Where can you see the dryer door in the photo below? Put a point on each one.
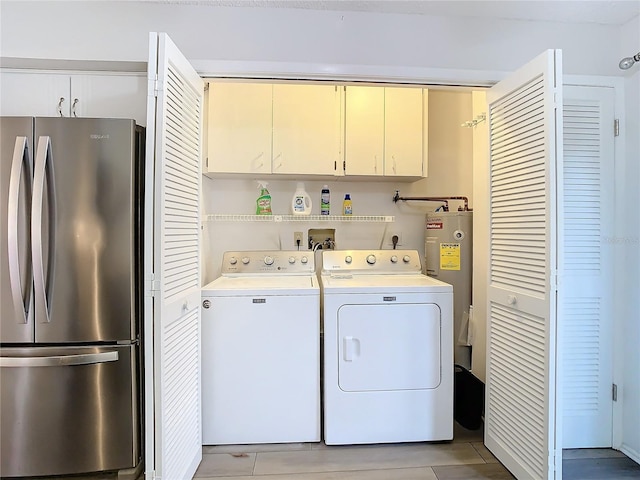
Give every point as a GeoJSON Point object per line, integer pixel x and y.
{"type": "Point", "coordinates": [388, 347]}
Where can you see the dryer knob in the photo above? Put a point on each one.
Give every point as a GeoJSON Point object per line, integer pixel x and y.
{"type": "Point", "coordinates": [348, 259]}
{"type": "Point", "coordinates": [394, 258]}
{"type": "Point", "coordinates": [206, 304]}
{"type": "Point", "coordinates": [268, 260]}
{"type": "Point", "coordinates": [245, 260]}
{"type": "Point", "coordinates": [304, 260]}
{"type": "Point", "coordinates": [371, 259]}
{"type": "Point", "coordinates": [406, 259]}
{"type": "Point", "coordinates": [233, 260]}
{"type": "Point", "coordinates": [292, 260]}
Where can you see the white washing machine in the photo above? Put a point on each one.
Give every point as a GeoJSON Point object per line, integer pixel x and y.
{"type": "Point", "coordinates": [261, 350]}
{"type": "Point", "coordinates": [388, 349]}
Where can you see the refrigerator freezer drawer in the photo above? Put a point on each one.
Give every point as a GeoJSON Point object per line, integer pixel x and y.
{"type": "Point", "coordinates": [68, 410]}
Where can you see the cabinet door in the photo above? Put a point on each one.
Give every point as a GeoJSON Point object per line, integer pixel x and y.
{"type": "Point", "coordinates": [34, 94]}
{"type": "Point", "coordinates": [110, 96]}
{"type": "Point", "coordinates": [306, 129]}
{"type": "Point", "coordinates": [239, 127]}
{"type": "Point", "coordinates": [364, 130]}
{"type": "Point", "coordinates": [403, 132]}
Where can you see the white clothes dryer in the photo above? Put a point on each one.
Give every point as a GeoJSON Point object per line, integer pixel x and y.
{"type": "Point", "coordinates": [388, 349]}
{"type": "Point", "coordinates": [261, 350]}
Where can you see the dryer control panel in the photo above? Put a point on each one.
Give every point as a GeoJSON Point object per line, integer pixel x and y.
{"type": "Point", "coordinates": [371, 261]}
{"type": "Point", "coordinates": [272, 262]}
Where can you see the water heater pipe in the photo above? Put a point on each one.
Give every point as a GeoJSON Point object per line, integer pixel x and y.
{"type": "Point", "coordinates": [445, 200]}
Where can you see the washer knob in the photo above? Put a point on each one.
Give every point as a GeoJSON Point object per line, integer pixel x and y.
{"type": "Point", "coordinates": [406, 259]}
{"type": "Point", "coordinates": [348, 259]}
{"type": "Point", "coordinates": [394, 258]}
{"type": "Point", "coordinates": [245, 260]}
{"type": "Point", "coordinates": [304, 260]}
{"type": "Point", "coordinates": [268, 260]}
{"type": "Point", "coordinates": [233, 260]}
{"type": "Point", "coordinates": [371, 259]}
{"type": "Point", "coordinates": [292, 260]}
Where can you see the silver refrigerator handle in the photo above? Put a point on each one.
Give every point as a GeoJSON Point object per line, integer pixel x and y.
{"type": "Point", "coordinates": [20, 156]}
{"type": "Point", "coordinates": [59, 360]}
{"type": "Point", "coordinates": [43, 171]}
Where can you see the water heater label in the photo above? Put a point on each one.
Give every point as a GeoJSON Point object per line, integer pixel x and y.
{"type": "Point", "coordinates": [434, 225]}
{"type": "Point", "coordinates": [449, 256]}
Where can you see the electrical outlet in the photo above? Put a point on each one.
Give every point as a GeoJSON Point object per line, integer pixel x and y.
{"type": "Point", "coordinates": [297, 239]}
{"type": "Point", "coordinates": [390, 236]}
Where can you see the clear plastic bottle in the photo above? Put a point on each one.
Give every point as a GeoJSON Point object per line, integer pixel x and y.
{"type": "Point", "coordinates": [347, 207]}
{"type": "Point", "coordinates": [325, 201]}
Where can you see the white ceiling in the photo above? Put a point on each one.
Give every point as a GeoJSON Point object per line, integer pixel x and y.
{"type": "Point", "coordinates": [608, 12]}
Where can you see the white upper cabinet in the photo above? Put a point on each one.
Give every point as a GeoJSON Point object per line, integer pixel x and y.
{"type": "Point", "coordinates": [306, 129]}
{"type": "Point", "coordinates": [385, 131]}
{"type": "Point", "coordinates": [239, 127]}
{"type": "Point", "coordinates": [364, 131]}
{"type": "Point", "coordinates": [404, 132]}
{"type": "Point", "coordinates": [108, 95]}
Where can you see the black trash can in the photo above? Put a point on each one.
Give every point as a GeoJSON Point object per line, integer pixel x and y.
{"type": "Point", "coordinates": [468, 394]}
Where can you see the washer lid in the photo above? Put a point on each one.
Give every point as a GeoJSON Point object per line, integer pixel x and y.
{"type": "Point", "coordinates": [347, 283]}
{"type": "Point", "coordinates": [263, 285]}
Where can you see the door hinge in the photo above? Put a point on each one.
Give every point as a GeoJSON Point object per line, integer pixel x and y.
{"type": "Point", "coordinates": [152, 286]}
{"type": "Point", "coordinates": [616, 128]}
{"type": "Point", "coordinates": [614, 392]}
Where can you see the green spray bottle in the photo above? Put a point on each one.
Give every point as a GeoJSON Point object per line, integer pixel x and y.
{"type": "Point", "coordinates": [263, 203]}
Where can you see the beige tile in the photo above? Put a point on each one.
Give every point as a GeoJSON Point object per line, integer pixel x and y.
{"type": "Point", "coordinates": [575, 453]}
{"type": "Point", "coordinates": [261, 447]}
{"type": "Point", "coordinates": [484, 452]}
{"type": "Point", "coordinates": [423, 473]}
{"type": "Point", "coordinates": [221, 464]}
{"type": "Point", "coordinates": [365, 458]}
{"type": "Point", "coordinates": [488, 471]}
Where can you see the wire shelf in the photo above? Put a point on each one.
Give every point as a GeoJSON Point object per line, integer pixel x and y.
{"type": "Point", "coordinates": [299, 218]}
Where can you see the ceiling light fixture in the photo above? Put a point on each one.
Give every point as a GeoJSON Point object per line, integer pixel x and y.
{"type": "Point", "coordinates": [627, 63]}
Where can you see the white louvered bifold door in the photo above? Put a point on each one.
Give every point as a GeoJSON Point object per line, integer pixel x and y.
{"type": "Point", "coordinates": [587, 281]}
{"type": "Point", "coordinates": [525, 125]}
{"type": "Point", "coordinates": [174, 151]}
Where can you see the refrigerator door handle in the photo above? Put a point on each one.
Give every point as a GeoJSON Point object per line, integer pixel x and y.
{"type": "Point", "coordinates": [20, 159]}
{"type": "Point", "coordinates": [43, 172]}
{"type": "Point", "coordinates": [59, 360]}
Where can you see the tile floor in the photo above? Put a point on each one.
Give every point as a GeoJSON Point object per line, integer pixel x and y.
{"type": "Point", "coordinates": [466, 458]}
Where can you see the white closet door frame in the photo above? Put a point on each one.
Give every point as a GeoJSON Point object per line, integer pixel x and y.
{"type": "Point", "coordinates": [522, 427]}
{"type": "Point", "coordinates": [173, 429]}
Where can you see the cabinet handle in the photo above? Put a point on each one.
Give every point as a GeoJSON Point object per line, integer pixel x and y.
{"type": "Point", "coordinates": [73, 107]}
{"type": "Point", "coordinates": [393, 157]}
{"type": "Point", "coordinates": [60, 106]}
{"type": "Point", "coordinates": [375, 164]}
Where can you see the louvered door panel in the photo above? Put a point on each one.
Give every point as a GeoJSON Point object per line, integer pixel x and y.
{"type": "Point", "coordinates": [520, 398]}
{"type": "Point", "coordinates": [586, 306]}
{"type": "Point", "coordinates": [177, 155]}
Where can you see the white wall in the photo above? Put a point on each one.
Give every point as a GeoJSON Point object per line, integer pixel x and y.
{"type": "Point", "coordinates": [119, 31]}
{"type": "Point", "coordinates": [628, 251]}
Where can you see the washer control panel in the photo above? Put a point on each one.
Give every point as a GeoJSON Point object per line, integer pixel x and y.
{"type": "Point", "coordinates": [371, 261]}
{"type": "Point", "coordinates": [273, 262]}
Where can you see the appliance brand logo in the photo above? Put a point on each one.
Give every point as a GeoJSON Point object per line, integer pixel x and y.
{"type": "Point", "coordinates": [259, 300]}
{"type": "Point", "coordinates": [99, 136]}
{"type": "Point", "coordinates": [434, 225]}
{"type": "Point", "coordinates": [388, 299]}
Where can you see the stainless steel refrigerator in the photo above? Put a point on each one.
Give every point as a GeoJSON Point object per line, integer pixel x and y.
{"type": "Point", "coordinates": [71, 286]}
